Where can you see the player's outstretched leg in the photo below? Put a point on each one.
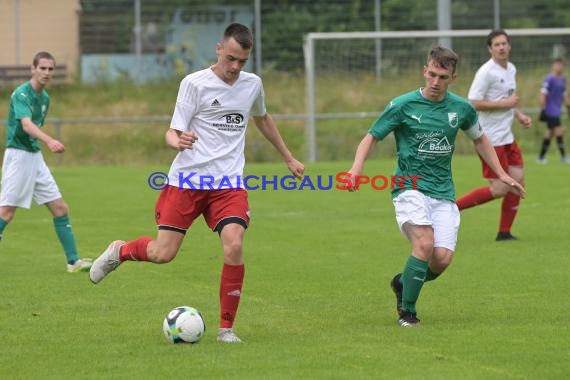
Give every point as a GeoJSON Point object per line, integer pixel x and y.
{"type": "Point", "coordinates": [107, 262]}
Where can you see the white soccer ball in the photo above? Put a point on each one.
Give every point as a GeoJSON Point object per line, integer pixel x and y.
{"type": "Point", "coordinates": [184, 324]}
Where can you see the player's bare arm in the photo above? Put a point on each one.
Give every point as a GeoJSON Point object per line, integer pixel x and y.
{"type": "Point", "coordinates": [484, 147]}
{"type": "Point", "coordinates": [33, 130]}
{"type": "Point", "coordinates": [179, 140]}
{"type": "Point", "coordinates": [269, 130]}
{"type": "Point", "coordinates": [523, 118]}
{"type": "Point", "coordinates": [362, 152]}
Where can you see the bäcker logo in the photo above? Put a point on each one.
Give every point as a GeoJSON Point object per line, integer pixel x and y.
{"type": "Point", "coordinates": [344, 181]}
{"type": "Point", "coordinates": [434, 145]}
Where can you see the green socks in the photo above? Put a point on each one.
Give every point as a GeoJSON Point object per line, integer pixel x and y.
{"type": "Point", "coordinates": [66, 238]}
{"type": "Point", "coordinates": [64, 233]}
{"type": "Point", "coordinates": [413, 279]}
{"type": "Point", "coordinates": [430, 276]}
{"type": "Point", "coordinates": [3, 225]}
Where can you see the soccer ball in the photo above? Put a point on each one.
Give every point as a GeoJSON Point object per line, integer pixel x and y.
{"type": "Point", "coordinates": [184, 324]}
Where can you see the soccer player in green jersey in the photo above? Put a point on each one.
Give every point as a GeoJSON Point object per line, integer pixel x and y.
{"type": "Point", "coordinates": [25, 175]}
{"type": "Point", "coordinates": [425, 123]}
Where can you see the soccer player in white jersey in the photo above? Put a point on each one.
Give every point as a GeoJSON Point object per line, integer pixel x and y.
{"type": "Point", "coordinates": [208, 131]}
{"type": "Point", "coordinates": [425, 123]}
{"type": "Point", "coordinates": [25, 175]}
{"type": "Point", "coordinates": [493, 94]}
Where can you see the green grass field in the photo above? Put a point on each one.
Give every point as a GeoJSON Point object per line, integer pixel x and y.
{"type": "Point", "coordinates": [316, 302]}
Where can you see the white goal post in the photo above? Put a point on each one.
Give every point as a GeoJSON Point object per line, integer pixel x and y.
{"type": "Point", "coordinates": [374, 48]}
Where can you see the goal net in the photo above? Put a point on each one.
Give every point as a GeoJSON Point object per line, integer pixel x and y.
{"type": "Point", "coordinates": [351, 76]}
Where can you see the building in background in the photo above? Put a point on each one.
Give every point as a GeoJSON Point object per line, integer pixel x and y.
{"type": "Point", "coordinates": [29, 26]}
{"type": "Point", "coordinates": [173, 41]}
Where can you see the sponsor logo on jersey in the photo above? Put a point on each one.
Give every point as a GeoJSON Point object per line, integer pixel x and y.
{"type": "Point", "coordinates": [428, 135]}
{"type": "Point", "coordinates": [231, 122]}
{"type": "Point", "coordinates": [434, 146]}
{"type": "Point", "coordinates": [233, 118]}
{"type": "Point", "coordinates": [215, 103]}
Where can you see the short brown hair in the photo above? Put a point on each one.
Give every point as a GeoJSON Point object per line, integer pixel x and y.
{"type": "Point", "coordinates": [240, 33]}
{"type": "Point", "coordinates": [42, 55]}
{"type": "Point", "coordinates": [496, 33]}
{"type": "Point", "coordinates": [443, 57]}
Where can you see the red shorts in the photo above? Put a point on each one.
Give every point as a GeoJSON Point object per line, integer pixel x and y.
{"type": "Point", "coordinates": [176, 208]}
{"type": "Point", "coordinates": [509, 155]}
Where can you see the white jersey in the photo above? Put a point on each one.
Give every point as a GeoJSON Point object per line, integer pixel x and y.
{"type": "Point", "coordinates": [218, 113]}
{"type": "Point", "coordinates": [494, 82]}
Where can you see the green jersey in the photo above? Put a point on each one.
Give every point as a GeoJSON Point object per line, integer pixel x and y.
{"type": "Point", "coordinates": [25, 102]}
{"type": "Point", "coordinates": [425, 133]}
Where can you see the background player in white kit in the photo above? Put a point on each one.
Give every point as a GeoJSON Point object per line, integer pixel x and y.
{"type": "Point", "coordinates": [208, 129]}
{"type": "Point", "coordinates": [493, 94]}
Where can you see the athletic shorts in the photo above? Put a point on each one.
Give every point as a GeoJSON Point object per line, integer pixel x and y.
{"type": "Point", "coordinates": [418, 209]}
{"type": "Point", "coordinates": [176, 208]}
{"type": "Point", "coordinates": [552, 122]}
{"type": "Point", "coordinates": [509, 155]}
{"type": "Point", "coordinates": [25, 176]}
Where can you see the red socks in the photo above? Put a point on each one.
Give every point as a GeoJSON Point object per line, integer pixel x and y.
{"type": "Point", "coordinates": [230, 283]}
{"type": "Point", "coordinates": [509, 208]}
{"type": "Point", "coordinates": [474, 198]}
{"type": "Point", "coordinates": [230, 293]}
{"type": "Point", "coordinates": [135, 250]}
{"type": "Point", "coordinates": [509, 205]}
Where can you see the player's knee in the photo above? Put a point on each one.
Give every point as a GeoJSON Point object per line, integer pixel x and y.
{"type": "Point", "coordinates": [59, 208]}
{"type": "Point", "coordinates": [233, 248]}
{"type": "Point", "coordinates": [233, 251]}
{"type": "Point", "coordinates": [7, 213]}
{"type": "Point", "coordinates": [423, 249]}
{"type": "Point", "coordinates": [64, 210]}
{"type": "Point", "coordinates": [426, 244]}
{"type": "Point", "coordinates": [499, 190]}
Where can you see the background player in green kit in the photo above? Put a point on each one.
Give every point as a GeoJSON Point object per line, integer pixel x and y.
{"type": "Point", "coordinates": [25, 175]}
{"type": "Point", "coordinates": [425, 123]}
